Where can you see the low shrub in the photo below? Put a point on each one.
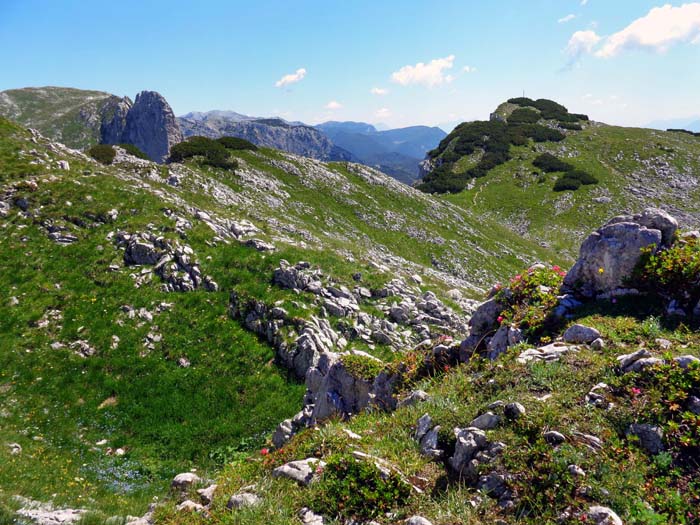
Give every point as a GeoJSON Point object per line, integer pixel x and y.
{"type": "Point", "coordinates": [523, 116]}
{"type": "Point", "coordinates": [583, 177]}
{"type": "Point", "coordinates": [214, 153]}
{"type": "Point", "coordinates": [358, 490]}
{"type": "Point", "coordinates": [362, 366]}
{"type": "Point", "coordinates": [687, 132]}
{"type": "Point", "coordinates": [133, 150]}
{"type": "Point", "coordinates": [565, 182]}
{"type": "Point", "coordinates": [236, 143]}
{"type": "Point", "coordinates": [549, 163]}
{"type": "Point", "coordinates": [530, 298]}
{"type": "Point", "coordinates": [572, 126]}
{"type": "Point", "coordinates": [671, 274]}
{"type": "Point", "coordinates": [102, 153]}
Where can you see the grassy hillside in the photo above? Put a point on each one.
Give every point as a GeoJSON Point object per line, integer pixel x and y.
{"type": "Point", "coordinates": [111, 385]}
{"type": "Point", "coordinates": [70, 116]}
{"type": "Point", "coordinates": [634, 168]}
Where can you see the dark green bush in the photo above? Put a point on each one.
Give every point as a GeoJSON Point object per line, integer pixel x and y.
{"type": "Point", "coordinates": [236, 143]}
{"type": "Point", "coordinates": [584, 177]}
{"type": "Point", "coordinates": [573, 126]}
{"type": "Point", "coordinates": [687, 132]}
{"type": "Point", "coordinates": [540, 133]}
{"type": "Point", "coordinates": [359, 490]}
{"type": "Point", "coordinates": [523, 116]}
{"type": "Point", "coordinates": [566, 183]}
{"type": "Point", "coordinates": [103, 153]}
{"type": "Point", "coordinates": [214, 153]}
{"type": "Point", "coordinates": [580, 116]}
{"type": "Point", "coordinates": [549, 163]}
{"type": "Point", "coordinates": [494, 138]}
{"type": "Point", "coordinates": [133, 150]}
{"type": "Point", "coordinates": [522, 101]}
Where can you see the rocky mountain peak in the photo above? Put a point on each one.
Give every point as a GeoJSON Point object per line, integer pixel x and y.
{"type": "Point", "coordinates": [150, 124]}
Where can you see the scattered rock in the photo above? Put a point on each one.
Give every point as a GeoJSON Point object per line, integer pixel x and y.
{"type": "Point", "coordinates": [185, 481]}
{"type": "Point", "coordinates": [694, 405]}
{"type": "Point", "coordinates": [650, 437]}
{"type": "Point", "coordinates": [603, 516]}
{"type": "Point", "coordinates": [63, 165]}
{"type": "Point", "coordinates": [514, 410]}
{"type": "Point", "coordinates": [302, 471]}
{"type": "Point", "coordinates": [190, 506]}
{"type": "Point", "coordinates": [485, 421]}
{"type": "Point", "coordinates": [417, 520]}
{"type": "Point", "coordinates": [684, 361]}
{"type": "Point", "coordinates": [637, 361]}
{"type": "Point", "coordinates": [598, 344]}
{"type": "Point", "coordinates": [415, 397]}
{"type": "Point", "coordinates": [242, 500]}
{"type": "Point", "coordinates": [553, 437]}
{"type": "Point", "coordinates": [608, 256]}
{"type": "Point", "coordinates": [580, 334]}
{"type": "Point", "coordinates": [576, 471]}
{"type": "Point", "coordinates": [46, 514]}
{"type": "Point", "coordinates": [309, 517]}
{"type": "Point", "coordinates": [207, 494]}
{"type": "Point", "coordinates": [15, 449]}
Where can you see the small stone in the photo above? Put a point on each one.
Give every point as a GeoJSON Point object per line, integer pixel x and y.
{"type": "Point", "coordinates": [598, 344]}
{"type": "Point", "coordinates": [302, 471]}
{"type": "Point", "coordinates": [309, 517]}
{"type": "Point", "coordinates": [603, 516]}
{"type": "Point", "coordinates": [650, 437]}
{"type": "Point", "coordinates": [553, 437]}
{"type": "Point", "coordinates": [185, 480]}
{"type": "Point", "coordinates": [694, 405]}
{"type": "Point", "coordinates": [424, 424]}
{"type": "Point", "coordinates": [242, 500]}
{"type": "Point", "coordinates": [207, 494]}
{"type": "Point", "coordinates": [15, 449]}
{"type": "Point", "coordinates": [664, 344]}
{"type": "Point", "coordinates": [576, 471]}
{"type": "Point", "coordinates": [486, 421]}
{"type": "Point", "coordinates": [580, 334]}
{"type": "Point", "coordinates": [685, 360]}
{"type": "Point", "coordinates": [189, 506]}
{"type": "Point", "coordinates": [417, 520]}
{"type": "Point", "coordinates": [415, 397]}
{"type": "Point", "coordinates": [514, 410]}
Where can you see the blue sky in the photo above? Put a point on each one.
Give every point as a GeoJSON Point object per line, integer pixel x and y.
{"type": "Point", "coordinates": [429, 62]}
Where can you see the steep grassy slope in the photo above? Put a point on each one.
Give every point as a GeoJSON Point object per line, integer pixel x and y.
{"type": "Point", "coordinates": [636, 168]}
{"type": "Point", "coordinates": [70, 116]}
{"type": "Point", "coordinates": [109, 384]}
{"type": "Point", "coordinates": [612, 469]}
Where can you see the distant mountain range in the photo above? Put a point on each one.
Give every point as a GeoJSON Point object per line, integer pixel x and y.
{"type": "Point", "coordinates": [81, 119]}
{"type": "Point", "coordinates": [396, 152]}
{"type": "Point", "coordinates": [689, 123]}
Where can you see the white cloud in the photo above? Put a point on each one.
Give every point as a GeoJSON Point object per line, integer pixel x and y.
{"type": "Point", "coordinates": [379, 91]}
{"type": "Point", "coordinates": [584, 2]}
{"type": "Point", "coordinates": [333, 104]}
{"type": "Point", "coordinates": [382, 113]}
{"type": "Point", "coordinates": [580, 43]}
{"type": "Point", "coordinates": [660, 29]}
{"type": "Point", "coordinates": [292, 78]}
{"type": "Point", "coordinates": [565, 19]}
{"type": "Point", "coordinates": [469, 69]}
{"type": "Point", "coordinates": [430, 74]}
